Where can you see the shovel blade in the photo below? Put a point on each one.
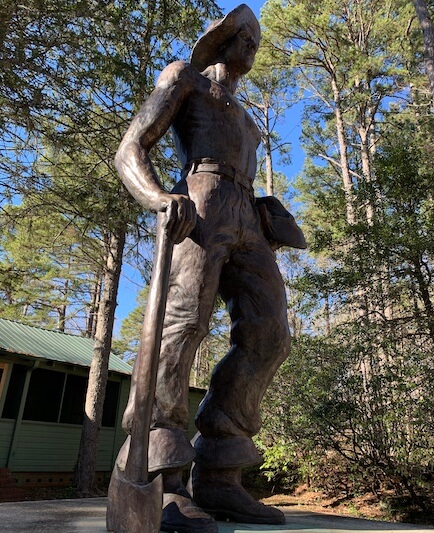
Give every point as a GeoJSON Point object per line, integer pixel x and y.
{"type": "Point", "coordinates": [134, 507]}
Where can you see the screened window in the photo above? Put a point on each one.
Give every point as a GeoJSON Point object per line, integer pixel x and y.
{"type": "Point", "coordinates": [44, 396]}
{"type": "Point", "coordinates": [73, 400]}
{"type": "Point", "coordinates": [55, 397]}
{"type": "Point", "coordinates": [3, 372]}
{"type": "Point", "coordinates": [14, 392]}
{"type": "Point", "coordinates": [110, 404]}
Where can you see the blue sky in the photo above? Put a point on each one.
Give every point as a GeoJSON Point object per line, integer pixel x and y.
{"type": "Point", "coordinates": [227, 5]}
{"type": "Point", "coordinates": [290, 131]}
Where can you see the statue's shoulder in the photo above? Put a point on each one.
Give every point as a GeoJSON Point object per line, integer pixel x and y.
{"type": "Point", "coordinates": [178, 73]}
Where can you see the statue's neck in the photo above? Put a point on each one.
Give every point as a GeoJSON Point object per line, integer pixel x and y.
{"type": "Point", "coordinates": [220, 73]}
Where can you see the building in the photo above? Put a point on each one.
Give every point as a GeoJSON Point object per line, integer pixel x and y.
{"type": "Point", "coordinates": [43, 381]}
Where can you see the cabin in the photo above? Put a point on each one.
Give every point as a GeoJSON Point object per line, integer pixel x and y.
{"type": "Point", "coordinates": [43, 381]}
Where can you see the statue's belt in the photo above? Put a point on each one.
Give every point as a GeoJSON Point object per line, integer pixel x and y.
{"type": "Point", "coordinates": [218, 167]}
{"type": "Point", "coordinates": [278, 225]}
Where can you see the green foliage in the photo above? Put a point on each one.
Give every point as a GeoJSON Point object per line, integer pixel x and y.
{"type": "Point", "coordinates": [45, 275]}
{"type": "Point", "coordinates": [363, 423]}
{"type": "Point", "coordinates": [280, 466]}
{"type": "Point", "coordinates": [72, 75]}
{"type": "Point", "coordinates": [354, 404]}
{"type": "Point", "coordinates": [212, 348]}
{"type": "Point", "coordinates": [351, 409]}
{"type": "Point", "coordinates": [127, 344]}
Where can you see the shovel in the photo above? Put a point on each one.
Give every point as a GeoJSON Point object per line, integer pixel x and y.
{"type": "Point", "coordinates": [135, 504]}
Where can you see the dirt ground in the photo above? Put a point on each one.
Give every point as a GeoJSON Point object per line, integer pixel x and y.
{"type": "Point", "coordinates": [383, 507]}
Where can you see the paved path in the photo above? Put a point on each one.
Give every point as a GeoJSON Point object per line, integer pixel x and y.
{"type": "Point", "coordinates": [88, 516]}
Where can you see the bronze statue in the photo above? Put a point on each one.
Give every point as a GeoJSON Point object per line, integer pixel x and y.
{"type": "Point", "coordinates": [225, 245]}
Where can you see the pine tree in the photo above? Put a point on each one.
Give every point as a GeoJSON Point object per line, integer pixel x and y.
{"type": "Point", "coordinates": [74, 74]}
{"type": "Point", "coordinates": [426, 24]}
{"type": "Point", "coordinates": [366, 197]}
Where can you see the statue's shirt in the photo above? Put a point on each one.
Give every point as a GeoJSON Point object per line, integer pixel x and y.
{"type": "Point", "coordinates": [211, 123]}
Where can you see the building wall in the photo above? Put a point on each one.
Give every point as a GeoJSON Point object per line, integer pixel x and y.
{"type": "Point", "coordinates": [194, 398]}
{"type": "Point", "coordinates": [44, 447]}
{"type": "Point", "coordinates": [35, 446]}
{"type": "Point", "coordinates": [53, 446]}
{"type": "Point", "coordinates": [6, 432]}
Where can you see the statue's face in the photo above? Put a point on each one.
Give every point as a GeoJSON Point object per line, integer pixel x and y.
{"type": "Point", "coordinates": [241, 50]}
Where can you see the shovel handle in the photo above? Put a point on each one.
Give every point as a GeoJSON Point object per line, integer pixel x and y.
{"type": "Point", "coordinates": [136, 468]}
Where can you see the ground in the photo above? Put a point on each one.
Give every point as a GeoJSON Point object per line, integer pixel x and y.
{"type": "Point", "coordinates": [381, 507]}
{"type": "Point", "coordinates": [384, 506]}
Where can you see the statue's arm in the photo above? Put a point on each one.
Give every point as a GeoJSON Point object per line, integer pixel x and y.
{"type": "Point", "coordinates": [148, 126]}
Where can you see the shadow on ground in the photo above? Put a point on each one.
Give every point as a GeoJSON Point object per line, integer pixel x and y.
{"type": "Point", "coordinates": [88, 516]}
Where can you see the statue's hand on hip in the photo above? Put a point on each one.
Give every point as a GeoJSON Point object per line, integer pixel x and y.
{"type": "Point", "coordinates": [183, 214]}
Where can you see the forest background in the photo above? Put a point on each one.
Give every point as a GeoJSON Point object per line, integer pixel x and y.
{"type": "Point", "coordinates": [351, 411]}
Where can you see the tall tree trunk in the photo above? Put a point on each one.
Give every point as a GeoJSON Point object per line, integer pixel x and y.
{"type": "Point", "coordinates": [327, 314]}
{"type": "Point", "coordinates": [379, 289]}
{"type": "Point", "coordinates": [367, 173]}
{"type": "Point", "coordinates": [88, 451]}
{"type": "Point", "coordinates": [346, 177]}
{"type": "Point", "coordinates": [268, 156]}
{"type": "Point", "coordinates": [61, 318]}
{"type": "Point", "coordinates": [197, 364]}
{"type": "Point", "coordinates": [92, 319]}
{"type": "Point", "coordinates": [428, 39]}
{"type": "Point", "coordinates": [61, 309]}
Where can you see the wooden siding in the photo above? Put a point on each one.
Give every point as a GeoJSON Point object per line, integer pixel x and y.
{"type": "Point", "coordinates": [6, 432]}
{"type": "Point", "coordinates": [52, 447]}
{"type": "Point", "coordinates": [105, 450]}
{"type": "Point", "coordinates": [45, 447]}
{"type": "Point", "coordinates": [120, 435]}
{"type": "Point", "coordinates": [194, 399]}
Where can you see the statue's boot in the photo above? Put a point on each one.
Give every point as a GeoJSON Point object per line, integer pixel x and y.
{"type": "Point", "coordinates": [220, 493]}
{"type": "Point", "coordinates": [180, 512]}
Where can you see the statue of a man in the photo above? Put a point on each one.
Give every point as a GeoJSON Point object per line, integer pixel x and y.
{"type": "Point", "coordinates": [221, 250]}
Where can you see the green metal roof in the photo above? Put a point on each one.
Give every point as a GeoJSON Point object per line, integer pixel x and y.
{"type": "Point", "coordinates": [32, 341]}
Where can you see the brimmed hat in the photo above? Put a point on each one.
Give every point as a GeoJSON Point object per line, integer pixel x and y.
{"type": "Point", "coordinates": [219, 31]}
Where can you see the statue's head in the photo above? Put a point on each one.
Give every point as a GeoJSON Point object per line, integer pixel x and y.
{"type": "Point", "coordinates": [237, 34]}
